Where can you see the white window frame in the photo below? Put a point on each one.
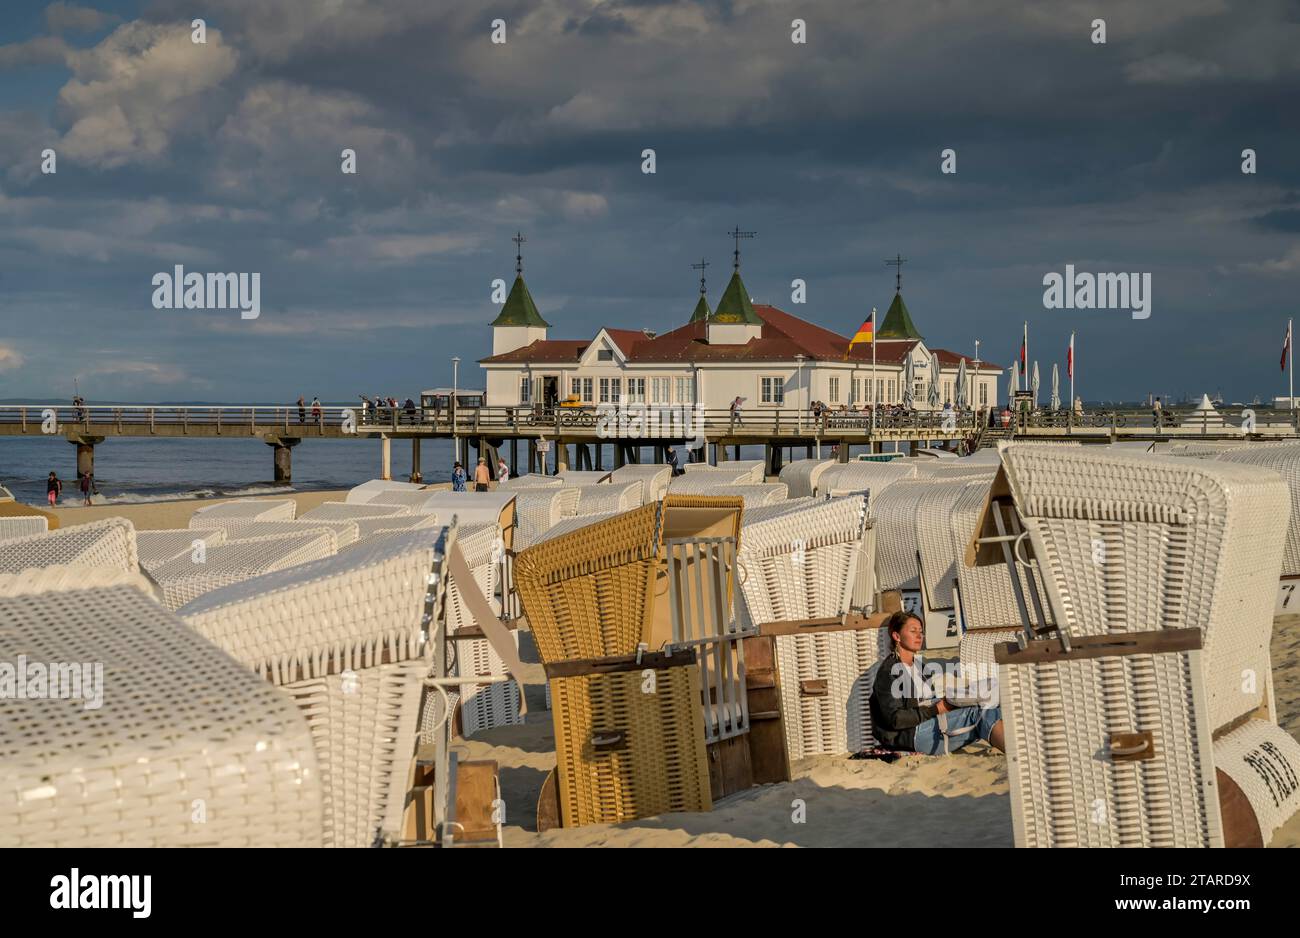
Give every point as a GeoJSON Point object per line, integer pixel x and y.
{"type": "Point", "coordinates": [685, 390]}
{"type": "Point", "coordinates": [525, 389]}
{"type": "Point", "coordinates": [636, 390]}
{"type": "Point", "coordinates": [610, 390]}
{"type": "Point", "coordinates": [778, 388]}
{"type": "Point", "coordinates": [833, 394]}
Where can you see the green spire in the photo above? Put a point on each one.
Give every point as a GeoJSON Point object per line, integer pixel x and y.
{"type": "Point", "coordinates": [898, 322]}
{"type": "Point", "coordinates": [702, 311]}
{"type": "Point", "coordinates": [735, 305]}
{"type": "Point", "coordinates": [519, 309]}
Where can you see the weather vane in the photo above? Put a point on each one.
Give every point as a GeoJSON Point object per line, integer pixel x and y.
{"type": "Point", "coordinates": [738, 234]}
{"type": "Point", "coordinates": [519, 239]}
{"type": "Point", "coordinates": [700, 267]}
{"type": "Point", "coordinates": [897, 262]}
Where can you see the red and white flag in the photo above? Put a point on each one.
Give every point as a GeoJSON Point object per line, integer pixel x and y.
{"type": "Point", "coordinates": [1069, 358]}
{"type": "Point", "coordinates": [1286, 345]}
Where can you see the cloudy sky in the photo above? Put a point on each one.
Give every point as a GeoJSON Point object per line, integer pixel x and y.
{"type": "Point", "coordinates": [225, 156]}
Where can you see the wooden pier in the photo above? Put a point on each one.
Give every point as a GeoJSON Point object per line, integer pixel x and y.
{"type": "Point", "coordinates": [561, 438]}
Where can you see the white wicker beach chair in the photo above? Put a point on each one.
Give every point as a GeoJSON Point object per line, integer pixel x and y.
{"type": "Point", "coordinates": [64, 577]}
{"type": "Point", "coordinates": [607, 497]}
{"type": "Point", "coordinates": [777, 509]}
{"type": "Point", "coordinates": [368, 491]}
{"type": "Point", "coordinates": [745, 471]}
{"type": "Point", "coordinates": [873, 477]}
{"type": "Point", "coordinates": [183, 580]}
{"type": "Point", "coordinates": [541, 508]}
{"type": "Point", "coordinates": [369, 527]}
{"type": "Point", "coordinates": [573, 477]}
{"type": "Point", "coordinates": [654, 479]}
{"type": "Point", "coordinates": [532, 480]}
{"type": "Point", "coordinates": [1284, 459]}
{"type": "Point", "coordinates": [934, 543]}
{"type": "Point", "coordinates": [417, 502]}
{"type": "Point", "coordinates": [895, 511]}
{"type": "Point", "coordinates": [1129, 543]}
{"type": "Point", "coordinates": [477, 508]}
{"type": "Point", "coordinates": [1108, 745]}
{"type": "Point", "coordinates": [802, 565]}
{"type": "Point", "coordinates": [565, 525]}
{"type": "Point", "coordinates": [107, 543]}
{"type": "Point", "coordinates": [23, 526]}
{"type": "Point", "coordinates": [802, 475]}
{"type": "Point", "coordinates": [239, 529]}
{"type": "Point", "coordinates": [349, 511]}
{"type": "Point", "coordinates": [155, 548]}
{"type": "Point", "coordinates": [754, 496]}
{"type": "Point", "coordinates": [254, 509]}
{"type": "Point", "coordinates": [187, 748]}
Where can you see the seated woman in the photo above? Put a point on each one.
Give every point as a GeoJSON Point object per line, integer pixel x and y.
{"type": "Point", "coordinates": [906, 715]}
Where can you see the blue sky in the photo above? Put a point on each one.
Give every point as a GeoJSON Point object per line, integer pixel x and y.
{"type": "Point", "coordinates": [225, 157]}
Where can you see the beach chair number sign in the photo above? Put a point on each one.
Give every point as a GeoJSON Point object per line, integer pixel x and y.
{"type": "Point", "coordinates": [1285, 595]}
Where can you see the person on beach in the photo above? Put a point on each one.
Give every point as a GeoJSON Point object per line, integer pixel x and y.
{"type": "Point", "coordinates": [503, 471]}
{"type": "Point", "coordinates": [908, 716]}
{"type": "Point", "coordinates": [302, 410]}
{"type": "Point", "coordinates": [482, 476]}
{"type": "Point", "coordinates": [458, 478]}
{"type": "Point", "coordinates": [86, 486]}
{"type": "Point", "coordinates": [53, 489]}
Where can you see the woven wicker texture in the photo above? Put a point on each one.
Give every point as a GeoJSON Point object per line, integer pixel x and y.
{"type": "Point", "coordinates": [182, 729]}
{"type": "Point", "coordinates": [754, 496]}
{"type": "Point", "coordinates": [746, 471]}
{"type": "Point", "coordinates": [63, 577]}
{"type": "Point", "coordinates": [23, 526]}
{"type": "Point", "coordinates": [1264, 760]}
{"type": "Point", "coordinates": [347, 511]}
{"type": "Point", "coordinates": [567, 525]}
{"type": "Point", "coordinates": [606, 497]}
{"type": "Point", "coordinates": [364, 726]}
{"type": "Point", "coordinates": [369, 527]}
{"type": "Point", "coordinates": [977, 646]}
{"type": "Point", "coordinates": [776, 509]}
{"type": "Point", "coordinates": [254, 509]}
{"type": "Point", "coordinates": [485, 706]}
{"type": "Point", "coordinates": [801, 476]}
{"type": "Point", "coordinates": [481, 546]}
{"type": "Point", "coordinates": [183, 580]}
{"type": "Point", "coordinates": [653, 478]}
{"type": "Point", "coordinates": [895, 511]}
{"type": "Point", "coordinates": [659, 765]}
{"type": "Point", "coordinates": [243, 530]}
{"type": "Point", "coordinates": [934, 537]}
{"type": "Point", "coordinates": [1285, 461]}
{"type": "Point", "coordinates": [541, 508]}
{"type": "Point", "coordinates": [586, 593]}
{"type": "Point", "coordinates": [988, 600]}
{"type": "Point", "coordinates": [107, 543]}
{"type": "Point", "coordinates": [417, 502]}
{"type": "Point", "coordinates": [830, 723]}
{"type": "Point", "coordinates": [367, 491]}
{"type": "Point", "coordinates": [802, 565]}
{"type": "Point", "coordinates": [355, 611]}
{"type": "Point", "coordinates": [873, 477]}
{"type": "Point", "coordinates": [1066, 790]}
{"type": "Point", "coordinates": [473, 507]}
{"type": "Point", "coordinates": [532, 480]}
{"type": "Point", "coordinates": [574, 477]}
{"type": "Point", "coordinates": [708, 482]}
{"type": "Point", "coordinates": [155, 548]}
{"type": "Point", "coordinates": [1149, 542]}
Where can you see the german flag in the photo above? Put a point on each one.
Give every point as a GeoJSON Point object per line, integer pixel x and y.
{"type": "Point", "coordinates": [866, 332]}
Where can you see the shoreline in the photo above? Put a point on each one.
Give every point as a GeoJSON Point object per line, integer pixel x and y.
{"type": "Point", "coordinates": [166, 515]}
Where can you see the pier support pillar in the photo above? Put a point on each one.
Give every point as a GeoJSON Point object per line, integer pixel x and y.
{"type": "Point", "coordinates": [844, 451]}
{"type": "Point", "coordinates": [659, 455]}
{"type": "Point", "coordinates": [385, 457]}
{"type": "Point", "coordinates": [561, 457]}
{"type": "Point", "coordinates": [85, 451]}
{"type": "Point", "coordinates": [415, 460]}
{"type": "Point", "coordinates": [514, 456]}
{"type": "Point", "coordinates": [281, 447]}
{"type": "Point", "coordinates": [719, 453]}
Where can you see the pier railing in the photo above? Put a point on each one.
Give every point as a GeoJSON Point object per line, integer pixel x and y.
{"type": "Point", "coordinates": [144, 418]}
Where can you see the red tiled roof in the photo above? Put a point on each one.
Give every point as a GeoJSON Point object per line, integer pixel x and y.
{"type": "Point", "coordinates": [782, 337]}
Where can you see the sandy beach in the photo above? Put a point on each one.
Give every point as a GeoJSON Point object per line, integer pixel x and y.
{"type": "Point", "coordinates": [919, 801]}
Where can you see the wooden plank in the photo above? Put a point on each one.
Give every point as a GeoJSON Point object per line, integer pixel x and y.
{"type": "Point", "coordinates": [730, 769]}
{"type": "Point", "coordinates": [654, 660]}
{"type": "Point", "coordinates": [767, 756]}
{"type": "Point", "coordinates": [852, 622]}
{"type": "Point", "coordinates": [1240, 826]}
{"type": "Point", "coordinates": [1100, 646]}
{"type": "Point", "coordinates": [476, 790]}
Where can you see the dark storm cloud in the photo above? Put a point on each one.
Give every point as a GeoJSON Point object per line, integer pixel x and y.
{"type": "Point", "coordinates": [1123, 156]}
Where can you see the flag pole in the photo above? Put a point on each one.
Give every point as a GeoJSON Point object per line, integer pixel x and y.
{"type": "Point", "coordinates": [1071, 372]}
{"type": "Point", "coordinates": [1290, 368]}
{"type": "Point", "coordinates": [1024, 364]}
{"type": "Point", "coordinates": [872, 395]}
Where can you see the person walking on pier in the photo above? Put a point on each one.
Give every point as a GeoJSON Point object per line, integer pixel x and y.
{"type": "Point", "coordinates": [1155, 413]}
{"type": "Point", "coordinates": [671, 456]}
{"type": "Point", "coordinates": [53, 489]}
{"type": "Point", "coordinates": [458, 478]}
{"type": "Point", "coordinates": [302, 410]}
{"type": "Point", "coordinates": [735, 412]}
{"type": "Point", "coordinates": [482, 476]}
{"type": "Point", "coordinates": [315, 410]}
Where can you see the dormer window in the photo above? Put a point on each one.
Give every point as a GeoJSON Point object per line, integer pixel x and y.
{"type": "Point", "coordinates": [604, 355]}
